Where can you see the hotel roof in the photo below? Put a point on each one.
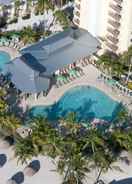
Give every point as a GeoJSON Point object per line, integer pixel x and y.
{"type": "Point", "coordinates": [62, 49]}
{"type": "Point", "coordinates": [31, 71]}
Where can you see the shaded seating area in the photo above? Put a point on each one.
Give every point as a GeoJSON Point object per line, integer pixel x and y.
{"type": "Point", "coordinates": [11, 41]}
{"type": "Point", "coordinates": [17, 178]}
{"type": "Point", "coordinates": [3, 159]}
{"type": "Point", "coordinates": [6, 142]}
{"type": "Point", "coordinates": [115, 84]}
{"type": "Point", "coordinates": [123, 181]}
{"type": "Point", "coordinates": [68, 74]}
{"type": "Point", "coordinates": [32, 168]}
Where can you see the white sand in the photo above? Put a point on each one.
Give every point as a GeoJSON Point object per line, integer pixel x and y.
{"type": "Point", "coordinates": [47, 174]}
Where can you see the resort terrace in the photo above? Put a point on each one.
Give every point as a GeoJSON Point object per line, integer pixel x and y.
{"type": "Point", "coordinates": [33, 72]}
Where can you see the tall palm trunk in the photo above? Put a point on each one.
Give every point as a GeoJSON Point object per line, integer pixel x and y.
{"type": "Point", "coordinates": [99, 174]}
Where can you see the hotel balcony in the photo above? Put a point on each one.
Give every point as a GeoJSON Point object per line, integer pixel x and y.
{"type": "Point", "coordinates": [112, 47]}
{"type": "Point", "coordinates": [76, 21]}
{"type": "Point", "coordinates": [77, 13]}
{"type": "Point", "coordinates": [115, 16]}
{"type": "Point", "coordinates": [116, 8]}
{"type": "Point", "coordinates": [78, 6]}
{"type": "Point", "coordinates": [119, 2]}
{"type": "Point", "coordinates": [78, 1]}
{"type": "Point", "coordinates": [112, 39]}
{"type": "Point", "coordinates": [114, 24]}
{"type": "Point", "coordinates": [114, 32]}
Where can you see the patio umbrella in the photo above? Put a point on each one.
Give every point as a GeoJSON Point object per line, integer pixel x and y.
{"type": "Point", "coordinates": [29, 171]}
{"type": "Point", "coordinates": [3, 159]}
{"type": "Point", "coordinates": [32, 168]}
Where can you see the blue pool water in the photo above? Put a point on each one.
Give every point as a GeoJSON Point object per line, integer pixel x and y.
{"type": "Point", "coordinates": [4, 59]}
{"type": "Point", "coordinates": [87, 102]}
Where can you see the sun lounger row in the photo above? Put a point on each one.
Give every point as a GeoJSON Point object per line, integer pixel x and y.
{"type": "Point", "coordinates": [122, 89]}
{"type": "Point", "coordinates": [12, 44]}
{"type": "Point", "coordinates": [69, 78]}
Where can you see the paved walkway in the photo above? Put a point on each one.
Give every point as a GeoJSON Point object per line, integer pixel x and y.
{"type": "Point", "coordinates": [90, 79]}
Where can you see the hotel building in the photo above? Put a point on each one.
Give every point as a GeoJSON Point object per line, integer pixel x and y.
{"type": "Point", "coordinates": [109, 20]}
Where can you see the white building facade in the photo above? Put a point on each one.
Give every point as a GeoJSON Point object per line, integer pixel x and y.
{"type": "Point", "coordinates": [109, 20]}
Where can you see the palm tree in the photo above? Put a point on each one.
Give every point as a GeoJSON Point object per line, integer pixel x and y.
{"type": "Point", "coordinates": [119, 140]}
{"type": "Point", "coordinates": [24, 149]}
{"type": "Point", "coordinates": [3, 92]}
{"type": "Point", "coordinates": [126, 58]}
{"type": "Point", "coordinates": [122, 119]}
{"type": "Point", "coordinates": [28, 35]}
{"type": "Point", "coordinates": [72, 164]}
{"type": "Point", "coordinates": [97, 152]}
{"type": "Point", "coordinates": [44, 5]}
{"type": "Point", "coordinates": [93, 140]}
{"type": "Point", "coordinates": [17, 5]}
{"type": "Point", "coordinates": [73, 167]}
{"type": "Point", "coordinates": [9, 124]}
{"type": "Point", "coordinates": [70, 124]}
{"type": "Point", "coordinates": [45, 137]}
{"type": "Point", "coordinates": [102, 161]}
{"type": "Point", "coordinates": [3, 106]}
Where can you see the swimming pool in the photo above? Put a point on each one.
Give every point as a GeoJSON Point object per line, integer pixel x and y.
{"type": "Point", "coordinates": [87, 102]}
{"type": "Point", "coordinates": [4, 58]}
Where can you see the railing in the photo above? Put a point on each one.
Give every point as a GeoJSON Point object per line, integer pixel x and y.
{"type": "Point", "coordinates": [112, 46]}
{"type": "Point", "coordinates": [114, 23]}
{"type": "Point", "coordinates": [112, 39]}
{"type": "Point", "coordinates": [78, 6]}
{"type": "Point", "coordinates": [77, 13]}
{"type": "Point", "coordinates": [116, 8]}
{"type": "Point", "coordinates": [115, 16]}
{"type": "Point", "coordinates": [76, 21]}
{"type": "Point", "coordinates": [119, 2]}
{"type": "Point", "coordinates": [115, 32]}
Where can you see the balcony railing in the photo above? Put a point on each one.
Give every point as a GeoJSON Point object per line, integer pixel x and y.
{"type": "Point", "coordinates": [112, 47]}
{"type": "Point", "coordinates": [112, 39]}
{"type": "Point", "coordinates": [76, 21]}
{"type": "Point", "coordinates": [77, 13]}
{"type": "Point", "coordinates": [114, 32]}
{"type": "Point", "coordinates": [116, 8]}
{"type": "Point", "coordinates": [114, 24]}
{"type": "Point", "coordinates": [119, 2]}
{"type": "Point", "coordinates": [78, 6]}
{"type": "Point", "coordinates": [115, 16]}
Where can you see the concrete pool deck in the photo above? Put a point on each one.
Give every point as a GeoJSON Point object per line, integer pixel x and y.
{"type": "Point", "coordinates": [90, 78]}
{"type": "Point", "coordinates": [11, 51]}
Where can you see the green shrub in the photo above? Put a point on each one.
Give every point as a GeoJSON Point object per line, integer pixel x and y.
{"type": "Point", "coordinates": [129, 85]}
